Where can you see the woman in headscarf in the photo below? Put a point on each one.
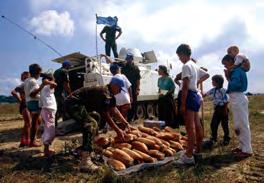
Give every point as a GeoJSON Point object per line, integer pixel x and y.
{"type": "Point", "coordinates": [166, 104]}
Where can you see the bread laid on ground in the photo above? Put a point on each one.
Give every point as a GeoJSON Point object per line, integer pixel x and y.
{"type": "Point", "coordinates": [101, 141]}
{"type": "Point", "coordinates": [122, 145]}
{"type": "Point", "coordinates": [123, 157]}
{"type": "Point", "coordinates": [140, 146]}
{"type": "Point", "coordinates": [107, 153]}
{"type": "Point", "coordinates": [147, 130]}
{"type": "Point", "coordinates": [176, 145]}
{"type": "Point", "coordinates": [156, 154]}
{"type": "Point", "coordinates": [133, 154]}
{"type": "Point", "coordinates": [148, 142]}
{"type": "Point", "coordinates": [116, 165]}
{"type": "Point", "coordinates": [146, 158]}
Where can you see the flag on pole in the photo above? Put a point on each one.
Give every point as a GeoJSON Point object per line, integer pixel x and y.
{"type": "Point", "coordinates": [111, 21]}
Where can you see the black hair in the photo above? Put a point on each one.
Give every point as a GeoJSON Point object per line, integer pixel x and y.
{"type": "Point", "coordinates": [47, 76]}
{"type": "Point", "coordinates": [219, 80]}
{"type": "Point", "coordinates": [164, 69]}
{"type": "Point", "coordinates": [34, 69]}
{"type": "Point", "coordinates": [184, 49]}
{"type": "Point", "coordinates": [24, 73]}
{"type": "Point", "coordinates": [228, 58]}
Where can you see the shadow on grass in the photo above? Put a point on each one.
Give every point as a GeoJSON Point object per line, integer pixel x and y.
{"type": "Point", "coordinates": [10, 135]}
{"type": "Point", "coordinates": [59, 163]}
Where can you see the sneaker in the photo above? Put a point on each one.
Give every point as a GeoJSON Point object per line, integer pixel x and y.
{"type": "Point", "coordinates": [243, 155]}
{"type": "Point", "coordinates": [184, 160]}
{"type": "Point", "coordinates": [236, 150]}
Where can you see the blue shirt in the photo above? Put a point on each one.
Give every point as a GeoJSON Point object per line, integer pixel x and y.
{"type": "Point", "coordinates": [166, 83]}
{"type": "Point", "coordinates": [238, 81]}
{"type": "Point", "coordinates": [218, 95]}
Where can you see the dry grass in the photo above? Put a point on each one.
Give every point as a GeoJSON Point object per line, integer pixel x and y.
{"type": "Point", "coordinates": [218, 165]}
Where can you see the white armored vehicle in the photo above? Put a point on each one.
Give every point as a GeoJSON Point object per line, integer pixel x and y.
{"type": "Point", "coordinates": [92, 71]}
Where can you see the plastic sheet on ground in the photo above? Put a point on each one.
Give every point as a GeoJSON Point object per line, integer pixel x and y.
{"type": "Point", "coordinates": [140, 167]}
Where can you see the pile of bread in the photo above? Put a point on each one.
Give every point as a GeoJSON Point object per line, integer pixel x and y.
{"type": "Point", "coordinates": [141, 145]}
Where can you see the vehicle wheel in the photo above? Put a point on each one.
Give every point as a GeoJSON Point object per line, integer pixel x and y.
{"type": "Point", "coordinates": [140, 111]}
{"type": "Point", "coordinates": [150, 110]}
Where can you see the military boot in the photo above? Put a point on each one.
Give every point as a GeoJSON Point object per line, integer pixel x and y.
{"type": "Point", "coordinates": [87, 165]}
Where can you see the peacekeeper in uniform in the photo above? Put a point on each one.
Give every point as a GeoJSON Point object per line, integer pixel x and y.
{"type": "Point", "coordinates": [92, 107]}
{"type": "Point", "coordinates": [63, 88]}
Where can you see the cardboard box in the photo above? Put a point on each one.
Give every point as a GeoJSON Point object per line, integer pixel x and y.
{"type": "Point", "coordinates": [154, 123]}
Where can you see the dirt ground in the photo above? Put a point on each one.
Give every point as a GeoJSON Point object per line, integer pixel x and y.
{"type": "Point", "coordinates": [219, 165]}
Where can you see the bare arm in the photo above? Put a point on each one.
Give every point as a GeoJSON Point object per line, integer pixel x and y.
{"type": "Point", "coordinates": [184, 94]}
{"type": "Point", "coordinates": [203, 78]}
{"type": "Point", "coordinates": [16, 95]}
{"type": "Point", "coordinates": [108, 59]}
{"type": "Point", "coordinates": [177, 79]}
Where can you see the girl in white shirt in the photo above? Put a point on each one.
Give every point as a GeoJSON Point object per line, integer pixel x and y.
{"type": "Point", "coordinates": [48, 110]}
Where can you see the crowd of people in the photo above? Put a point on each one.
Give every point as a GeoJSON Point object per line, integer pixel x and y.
{"type": "Point", "coordinates": [94, 107]}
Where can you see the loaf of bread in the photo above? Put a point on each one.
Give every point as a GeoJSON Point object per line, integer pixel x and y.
{"type": "Point", "coordinates": [123, 157]}
{"type": "Point", "coordinates": [116, 165]}
{"type": "Point", "coordinates": [146, 158]}
{"type": "Point", "coordinates": [133, 154]}
{"type": "Point", "coordinates": [140, 146]}
{"type": "Point", "coordinates": [107, 153]}
{"type": "Point", "coordinates": [122, 145]}
{"type": "Point", "coordinates": [156, 154]}
{"type": "Point", "coordinates": [101, 141]}
{"type": "Point", "coordinates": [148, 142]}
{"type": "Point", "coordinates": [176, 145]}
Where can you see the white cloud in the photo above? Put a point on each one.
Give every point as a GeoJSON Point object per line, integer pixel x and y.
{"type": "Point", "coordinates": [53, 23]}
{"type": "Point", "coordinates": [7, 84]}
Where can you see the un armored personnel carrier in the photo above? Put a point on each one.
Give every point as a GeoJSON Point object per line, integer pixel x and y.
{"type": "Point", "coordinates": [92, 71]}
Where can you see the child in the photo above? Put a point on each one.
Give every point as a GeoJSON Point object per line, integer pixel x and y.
{"type": "Point", "coordinates": [237, 84]}
{"type": "Point", "coordinates": [32, 90]}
{"type": "Point", "coordinates": [240, 60]}
{"type": "Point", "coordinates": [48, 111]}
{"type": "Point", "coordinates": [19, 94]}
{"type": "Point", "coordinates": [220, 100]}
{"type": "Point", "coordinates": [190, 104]}
{"type": "Point", "coordinates": [123, 99]}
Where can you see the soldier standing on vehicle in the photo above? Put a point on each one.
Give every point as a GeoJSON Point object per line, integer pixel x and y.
{"type": "Point", "coordinates": [63, 88]}
{"type": "Point", "coordinates": [110, 38]}
{"type": "Point", "coordinates": [91, 107]}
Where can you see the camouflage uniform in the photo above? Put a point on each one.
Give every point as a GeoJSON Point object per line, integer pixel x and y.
{"type": "Point", "coordinates": [86, 106]}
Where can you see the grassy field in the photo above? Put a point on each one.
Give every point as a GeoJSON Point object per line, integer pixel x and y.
{"type": "Point", "coordinates": [218, 165]}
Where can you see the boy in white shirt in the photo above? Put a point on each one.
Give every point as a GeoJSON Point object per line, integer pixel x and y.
{"type": "Point", "coordinates": [190, 104]}
{"type": "Point", "coordinates": [48, 110]}
{"type": "Point", "coordinates": [123, 99]}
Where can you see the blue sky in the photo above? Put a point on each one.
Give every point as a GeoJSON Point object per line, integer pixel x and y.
{"type": "Point", "coordinates": [161, 25]}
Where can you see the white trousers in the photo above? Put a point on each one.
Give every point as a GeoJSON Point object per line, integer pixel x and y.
{"type": "Point", "coordinates": [239, 106]}
{"type": "Point", "coordinates": [48, 116]}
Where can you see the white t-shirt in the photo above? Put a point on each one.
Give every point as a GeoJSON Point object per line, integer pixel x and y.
{"type": "Point", "coordinates": [124, 78]}
{"type": "Point", "coordinates": [193, 72]}
{"type": "Point", "coordinates": [30, 85]}
{"type": "Point", "coordinates": [123, 97]}
{"type": "Point", "coordinates": [239, 59]}
{"type": "Point", "coordinates": [47, 98]}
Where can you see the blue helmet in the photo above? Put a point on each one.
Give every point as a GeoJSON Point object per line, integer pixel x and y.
{"type": "Point", "coordinates": [117, 81]}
